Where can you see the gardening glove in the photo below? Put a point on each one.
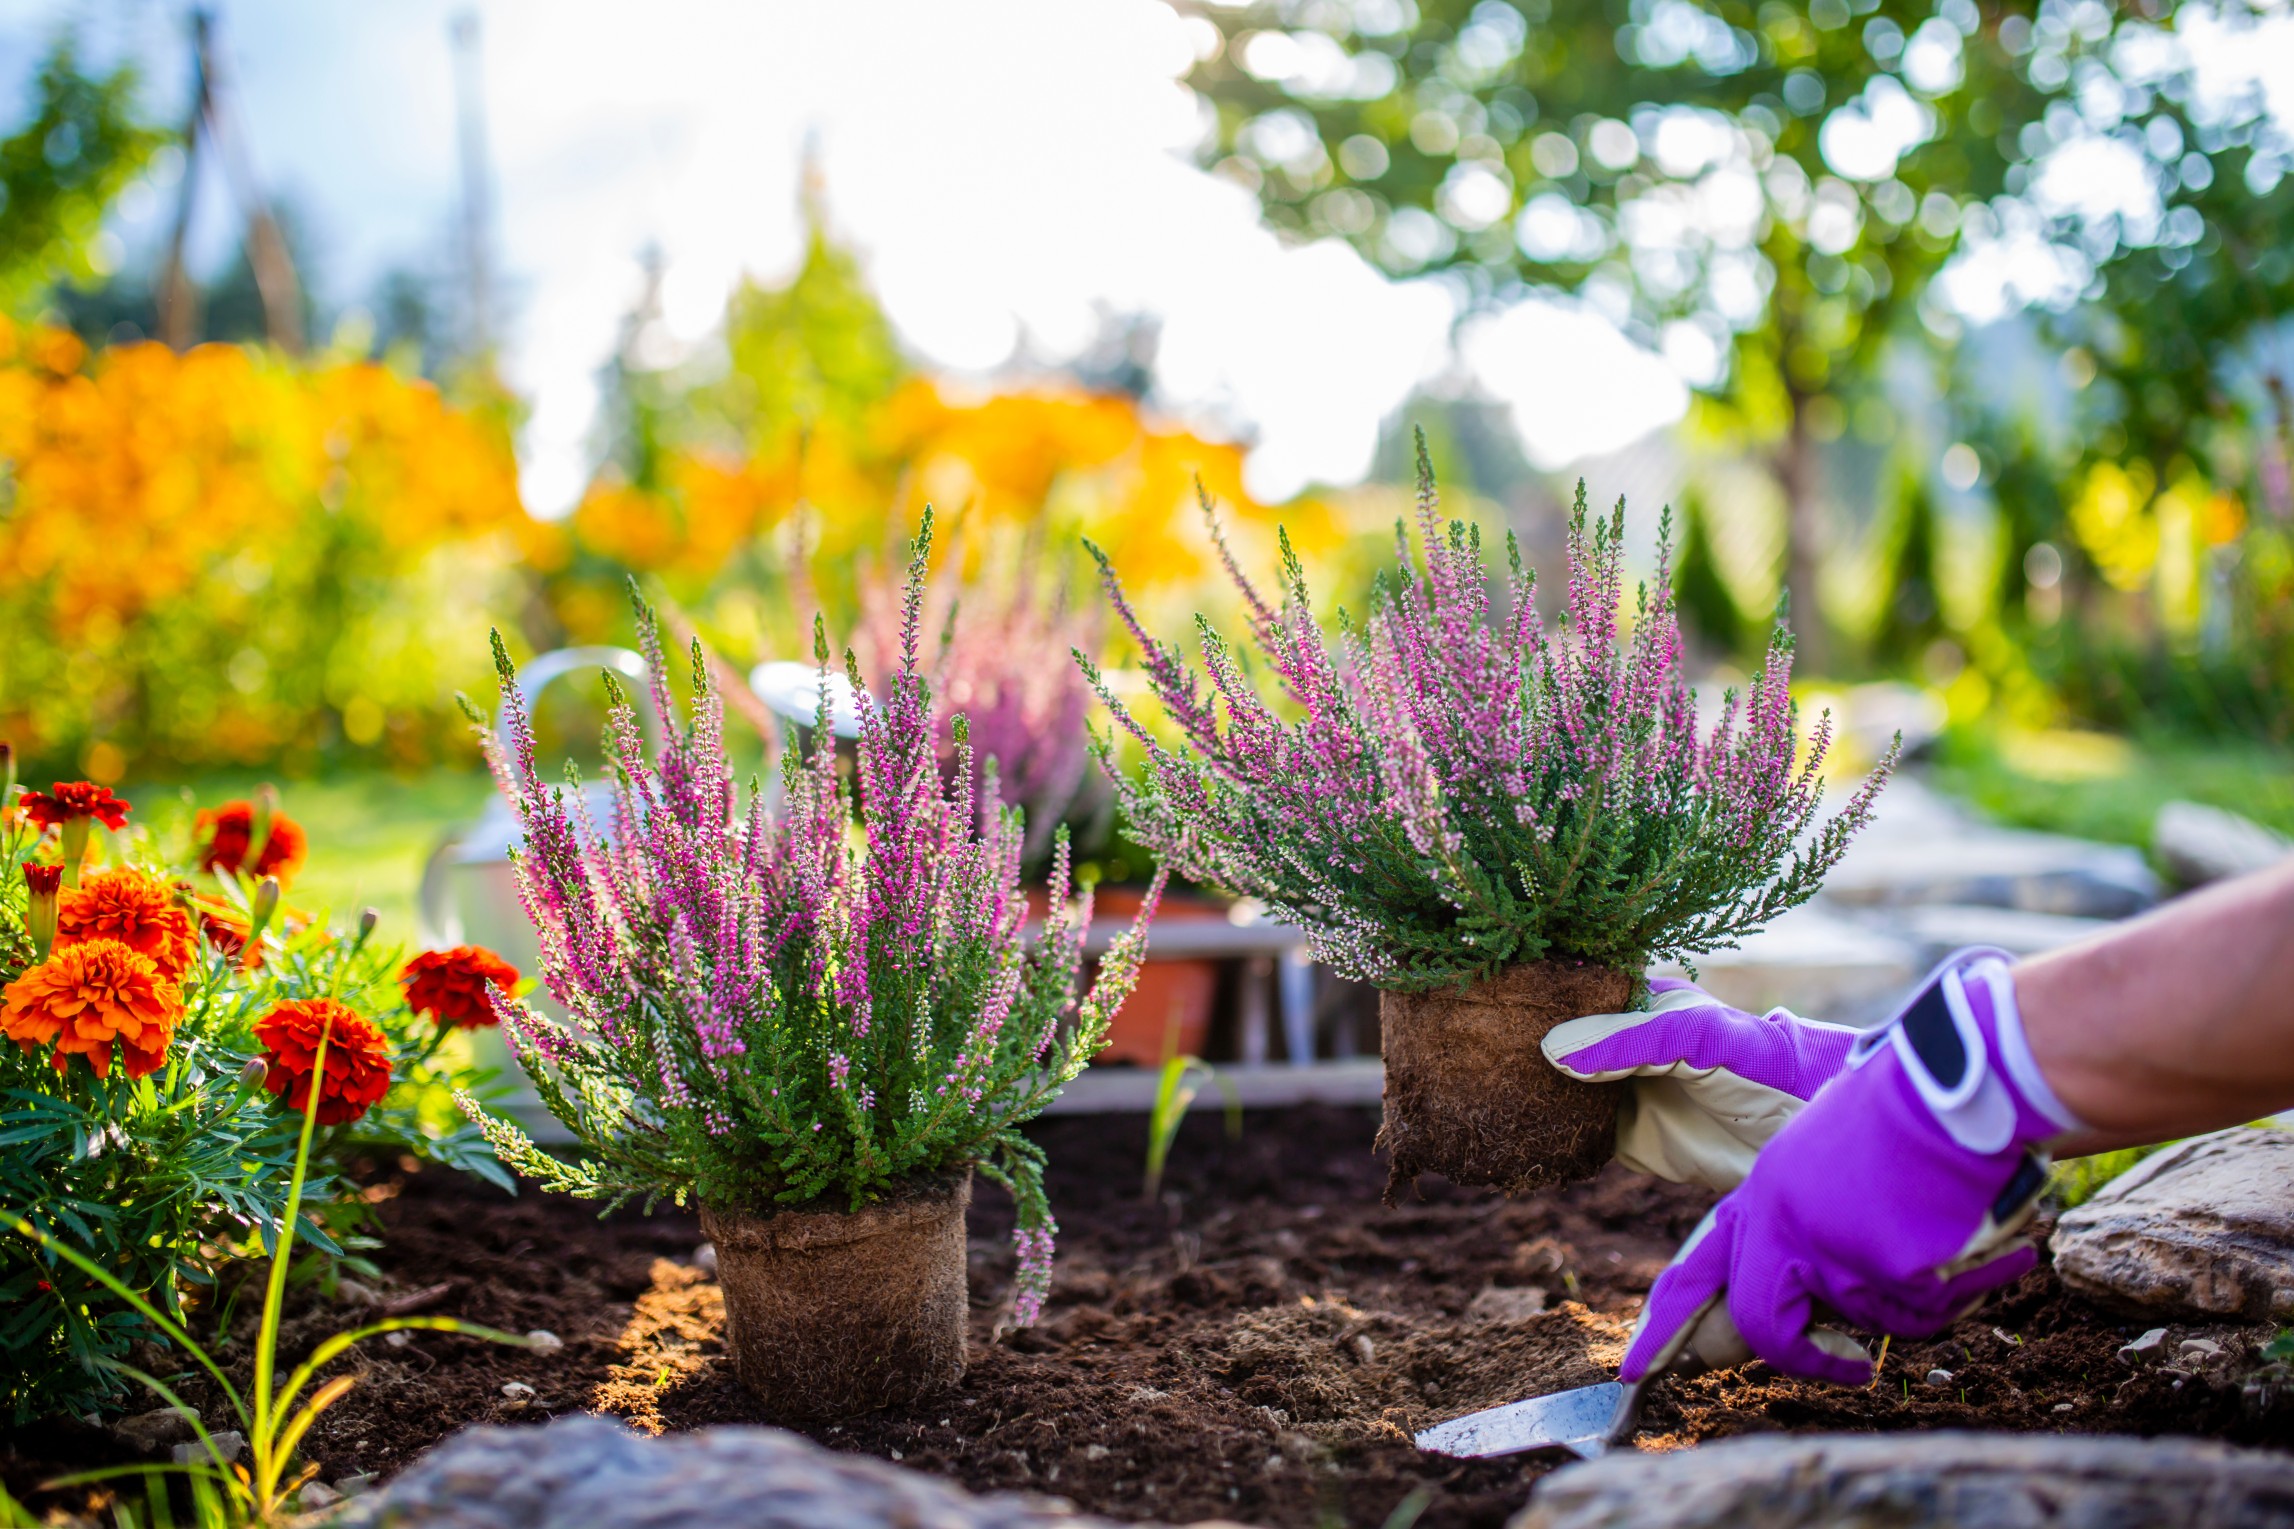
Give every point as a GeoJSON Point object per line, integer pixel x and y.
{"type": "Point", "coordinates": [1710, 1084]}
{"type": "Point", "coordinates": [1894, 1197]}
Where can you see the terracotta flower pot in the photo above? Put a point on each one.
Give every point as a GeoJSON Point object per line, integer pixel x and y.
{"type": "Point", "coordinates": [830, 1313]}
{"type": "Point", "coordinates": [1470, 1096]}
{"type": "Point", "coordinates": [1169, 1011]}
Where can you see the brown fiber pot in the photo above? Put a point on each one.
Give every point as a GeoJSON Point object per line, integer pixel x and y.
{"type": "Point", "coordinates": [830, 1313]}
{"type": "Point", "coordinates": [1470, 1096]}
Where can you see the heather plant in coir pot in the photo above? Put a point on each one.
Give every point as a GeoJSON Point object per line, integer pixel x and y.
{"type": "Point", "coordinates": [1498, 823]}
{"type": "Point", "coordinates": [816, 1019]}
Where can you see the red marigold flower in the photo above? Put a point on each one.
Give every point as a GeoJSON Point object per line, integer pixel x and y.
{"type": "Point", "coordinates": [75, 799]}
{"type": "Point", "coordinates": [358, 1057]}
{"type": "Point", "coordinates": [230, 940]}
{"type": "Point", "coordinates": [450, 985]}
{"type": "Point", "coordinates": [226, 833]}
{"type": "Point", "coordinates": [88, 995]}
{"type": "Point", "coordinates": [136, 909]}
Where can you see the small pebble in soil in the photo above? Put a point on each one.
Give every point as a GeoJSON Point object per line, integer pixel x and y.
{"type": "Point", "coordinates": [1939, 1377]}
{"type": "Point", "coordinates": [517, 1390]}
{"type": "Point", "coordinates": [229, 1445]}
{"type": "Point", "coordinates": [316, 1495]}
{"type": "Point", "coordinates": [2148, 1346]}
{"type": "Point", "coordinates": [543, 1341]}
{"type": "Point", "coordinates": [351, 1486]}
{"type": "Point", "coordinates": [2199, 1348]}
{"type": "Point", "coordinates": [2062, 1406]}
{"type": "Point", "coordinates": [397, 1340]}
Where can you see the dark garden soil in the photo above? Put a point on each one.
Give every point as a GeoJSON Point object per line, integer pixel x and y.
{"type": "Point", "coordinates": [1257, 1345]}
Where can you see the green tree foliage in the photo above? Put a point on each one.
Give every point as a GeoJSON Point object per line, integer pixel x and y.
{"type": "Point", "coordinates": [1708, 608]}
{"type": "Point", "coordinates": [1776, 185]}
{"type": "Point", "coordinates": [83, 142]}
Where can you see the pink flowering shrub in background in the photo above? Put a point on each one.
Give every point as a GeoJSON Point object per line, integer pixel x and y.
{"type": "Point", "coordinates": [1452, 788]}
{"type": "Point", "coordinates": [998, 662]}
{"type": "Point", "coordinates": [814, 1003]}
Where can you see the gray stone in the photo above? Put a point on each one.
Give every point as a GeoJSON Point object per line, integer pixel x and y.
{"type": "Point", "coordinates": [583, 1472]}
{"type": "Point", "coordinates": [2149, 1346]}
{"type": "Point", "coordinates": [1942, 928]}
{"type": "Point", "coordinates": [1939, 1377]}
{"type": "Point", "coordinates": [2201, 1231]}
{"type": "Point", "coordinates": [150, 1432]}
{"type": "Point", "coordinates": [2032, 872]}
{"type": "Point", "coordinates": [2198, 844]}
{"type": "Point", "coordinates": [1922, 1481]}
{"type": "Point", "coordinates": [230, 1444]}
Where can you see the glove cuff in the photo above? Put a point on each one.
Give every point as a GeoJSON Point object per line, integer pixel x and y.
{"type": "Point", "coordinates": [1960, 1041]}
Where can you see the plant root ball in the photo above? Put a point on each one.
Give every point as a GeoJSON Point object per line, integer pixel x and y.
{"type": "Point", "coordinates": [1470, 1096]}
{"type": "Point", "coordinates": [830, 1313]}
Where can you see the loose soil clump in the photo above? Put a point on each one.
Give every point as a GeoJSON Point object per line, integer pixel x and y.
{"type": "Point", "coordinates": [1257, 1345]}
{"type": "Point", "coordinates": [1470, 1095]}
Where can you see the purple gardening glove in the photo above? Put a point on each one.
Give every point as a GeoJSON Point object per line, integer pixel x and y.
{"type": "Point", "coordinates": [1894, 1197]}
{"type": "Point", "coordinates": [1710, 1084]}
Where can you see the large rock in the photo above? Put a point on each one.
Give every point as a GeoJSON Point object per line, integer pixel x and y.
{"type": "Point", "coordinates": [1922, 1481]}
{"type": "Point", "coordinates": [583, 1472]}
{"type": "Point", "coordinates": [2202, 1231]}
{"type": "Point", "coordinates": [2198, 844]}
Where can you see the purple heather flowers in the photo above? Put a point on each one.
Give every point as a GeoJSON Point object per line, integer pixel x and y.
{"type": "Point", "coordinates": [818, 1001]}
{"type": "Point", "coordinates": [1452, 787]}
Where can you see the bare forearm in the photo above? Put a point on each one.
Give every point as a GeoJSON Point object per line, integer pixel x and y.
{"type": "Point", "coordinates": [2179, 1022]}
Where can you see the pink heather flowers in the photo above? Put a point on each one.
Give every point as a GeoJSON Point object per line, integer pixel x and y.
{"type": "Point", "coordinates": [818, 1001]}
{"type": "Point", "coordinates": [1451, 787]}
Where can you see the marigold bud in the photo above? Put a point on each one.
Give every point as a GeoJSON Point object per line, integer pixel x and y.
{"type": "Point", "coordinates": [44, 882]}
{"type": "Point", "coordinates": [252, 1075]}
{"type": "Point", "coordinates": [265, 904]}
{"type": "Point", "coordinates": [368, 917]}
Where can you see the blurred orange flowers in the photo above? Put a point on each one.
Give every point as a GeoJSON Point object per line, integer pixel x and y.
{"type": "Point", "coordinates": [450, 985]}
{"type": "Point", "coordinates": [358, 1057]}
{"type": "Point", "coordinates": [226, 834]}
{"type": "Point", "coordinates": [134, 908]}
{"type": "Point", "coordinates": [86, 996]}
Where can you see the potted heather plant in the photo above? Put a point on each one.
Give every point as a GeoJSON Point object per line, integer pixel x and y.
{"type": "Point", "coordinates": [815, 1020]}
{"type": "Point", "coordinates": [1497, 823]}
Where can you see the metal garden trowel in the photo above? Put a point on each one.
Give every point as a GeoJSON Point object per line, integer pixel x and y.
{"type": "Point", "coordinates": [1589, 1420]}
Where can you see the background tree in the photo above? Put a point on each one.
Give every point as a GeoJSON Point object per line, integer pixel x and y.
{"type": "Point", "coordinates": [85, 140]}
{"type": "Point", "coordinates": [1765, 193]}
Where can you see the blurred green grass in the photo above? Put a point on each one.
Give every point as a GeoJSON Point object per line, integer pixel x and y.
{"type": "Point", "coordinates": [370, 833]}
{"type": "Point", "coordinates": [2100, 787]}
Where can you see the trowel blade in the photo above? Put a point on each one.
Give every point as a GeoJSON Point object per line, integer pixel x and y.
{"type": "Point", "coordinates": [1577, 1421]}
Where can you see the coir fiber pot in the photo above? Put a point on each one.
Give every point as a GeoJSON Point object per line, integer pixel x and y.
{"type": "Point", "coordinates": [830, 1313]}
{"type": "Point", "coordinates": [1470, 1096]}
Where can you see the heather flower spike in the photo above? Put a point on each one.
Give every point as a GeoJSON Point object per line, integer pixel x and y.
{"type": "Point", "coordinates": [1452, 787]}
{"type": "Point", "coordinates": [819, 999]}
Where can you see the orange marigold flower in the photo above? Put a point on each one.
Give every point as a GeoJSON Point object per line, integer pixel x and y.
{"type": "Point", "coordinates": [136, 909]}
{"type": "Point", "coordinates": [74, 799]}
{"type": "Point", "coordinates": [86, 996]}
{"type": "Point", "coordinates": [450, 985]}
{"type": "Point", "coordinates": [225, 834]}
{"type": "Point", "coordinates": [229, 937]}
{"type": "Point", "coordinates": [358, 1057]}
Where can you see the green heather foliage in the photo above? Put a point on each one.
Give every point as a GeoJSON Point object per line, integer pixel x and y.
{"type": "Point", "coordinates": [1450, 788]}
{"type": "Point", "coordinates": [819, 1001]}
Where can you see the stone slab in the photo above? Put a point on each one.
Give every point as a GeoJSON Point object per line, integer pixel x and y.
{"type": "Point", "coordinates": [2202, 1231]}
{"type": "Point", "coordinates": [2198, 844]}
{"type": "Point", "coordinates": [1939, 929]}
{"type": "Point", "coordinates": [583, 1472]}
{"type": "Point", "coordinates": [1922, 1481]}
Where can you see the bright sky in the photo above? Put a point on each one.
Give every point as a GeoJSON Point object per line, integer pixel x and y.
{"type": "Point", "coordinates": [1003, 165]}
